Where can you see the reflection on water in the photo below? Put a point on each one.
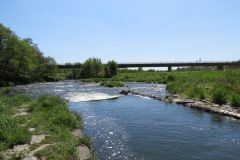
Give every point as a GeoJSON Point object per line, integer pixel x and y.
{"type": "Point", "coordinates": [133, 127]}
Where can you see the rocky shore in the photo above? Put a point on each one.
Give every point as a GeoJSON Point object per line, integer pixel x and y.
{"type": "Point", "coordinates": [205, 105]}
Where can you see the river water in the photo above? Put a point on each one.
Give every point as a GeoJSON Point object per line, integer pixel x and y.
{"type": "Point", "coordinates": [133, 127]}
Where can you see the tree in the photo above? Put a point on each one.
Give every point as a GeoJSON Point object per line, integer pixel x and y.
{"type": "Point", "coordinates": [91, 68]}
{"type": "Point", "coordinates": [21, 61]}
{"type": "Point", "coordinates": [110, 69]}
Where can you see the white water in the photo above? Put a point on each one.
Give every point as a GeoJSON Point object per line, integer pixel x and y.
{"type": "Point", "coordinates": [91, 96]}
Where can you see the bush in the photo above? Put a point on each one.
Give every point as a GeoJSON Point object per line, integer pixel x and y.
{"type": "Point", "coordinates": [219, 96]}
{"type": "Point", "coordinates": [112, 84]}
{"type": "Point", "coordinates": [235, 100]}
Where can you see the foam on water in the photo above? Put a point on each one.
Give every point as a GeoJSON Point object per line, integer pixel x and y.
{"type": "Point", "coordinates": [92, 96]}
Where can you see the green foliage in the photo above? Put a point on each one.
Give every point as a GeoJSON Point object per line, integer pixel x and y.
{"type": "Point", "coordinates": [111, 84]}
{"type": "Point", "coordinates": [87, 141]}
{"type": "Point", "coordinates": [219, 96]}
{"type": "Point", "coordinates": [92, 68]}
{"type": "Point", "coordinates": [21, 61]}
{"type": "Point", "coordinates": [65, 147]}
{"type": "Point", "coordinates": [11, 133]}
{"type": "Point", "coordinates": [110, 69]}
{"type": "Point", "coordinates": [199, 84]}
{"type": "Point", "coordinates": [196, 92]}
{"type": "Point", "coordinates": [50, 115]}
{"type": "Point", "coordinates": [235, 100]}
{"type": "Point", "coordinates": [5, 90]}
{"type": "Point", "coordinates": [171, 78]}
{"type": "Point", "coordinates": [53, 112]}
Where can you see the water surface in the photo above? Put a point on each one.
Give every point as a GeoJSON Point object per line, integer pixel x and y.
{"type": "Point", "coordinates": [134, 127]}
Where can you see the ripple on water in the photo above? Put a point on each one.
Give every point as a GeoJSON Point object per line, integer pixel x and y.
{"type": "Point", "coordinates": [109, 137]}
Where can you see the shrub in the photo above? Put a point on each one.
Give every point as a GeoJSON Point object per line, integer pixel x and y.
{"type": "Point", "coordinates": [235, 100]}
{"type": "Point", "coordinates": [112, 84]}
{"type": "Point", "coordinates": [219, 96]}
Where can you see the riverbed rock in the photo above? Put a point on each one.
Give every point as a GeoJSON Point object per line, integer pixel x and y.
{"type": "Point", "coordinates": [195, 104]}
{"type": "Point", "coordinates": [30, 158]}
{"type": "Point", "coordinates": [83, 153]}
{"type": "Point", "coordinates": [42, 147]}
{"type": "Point", "coordinates": [77, 133]}
{"type": "Point", "coordinates": [37, 139]}
{"type": "Point", "coordinates": [17, 151]}
{"type": "Point", "coordinates": [182, 101]}
{"type": "Point", "coordinates": [124, 92]}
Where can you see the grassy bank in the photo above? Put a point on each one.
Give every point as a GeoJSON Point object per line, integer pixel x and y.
{"type": "Point", "coordinates": [217, 86]}
{"type": "Point", "coordinates": [49, 116]}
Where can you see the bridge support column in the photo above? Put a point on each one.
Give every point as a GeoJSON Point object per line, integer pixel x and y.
{"type": "Point", "coordinates": [220, 67]}
{"type": "Point", "coordinates": [169, 68]}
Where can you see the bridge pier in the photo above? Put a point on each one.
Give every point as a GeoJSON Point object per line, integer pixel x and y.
{"type": "Point", "coordinates": [169, 68]}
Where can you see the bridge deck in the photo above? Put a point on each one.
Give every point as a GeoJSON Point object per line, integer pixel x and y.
{"type": "Point", "coordinates": [164, 64]}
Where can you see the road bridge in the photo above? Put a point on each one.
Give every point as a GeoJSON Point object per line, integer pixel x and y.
{"type": "Point", "coordinates": [169, 65]}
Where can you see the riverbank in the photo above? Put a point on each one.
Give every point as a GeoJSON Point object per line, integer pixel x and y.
{"type": "Point", "coordinates": [205, 105]}
{"type": "Point", "coordinates": [210, 90]}
{"type": "Point", "coordinates": [41, 129]}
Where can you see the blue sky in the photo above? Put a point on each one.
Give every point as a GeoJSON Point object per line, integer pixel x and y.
{"type": "Point", "coordinates": [128, 30]}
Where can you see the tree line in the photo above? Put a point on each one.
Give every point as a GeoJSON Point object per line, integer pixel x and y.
{"type": "Point", "coordinates": [22, 62]}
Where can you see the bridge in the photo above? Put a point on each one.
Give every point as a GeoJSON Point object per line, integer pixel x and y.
{"type": "Point", "coordinates": [169, 65]}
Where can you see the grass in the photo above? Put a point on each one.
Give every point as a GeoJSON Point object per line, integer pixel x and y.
{"type": "Point", "coordinates": [218, 86]}
{"type": "Point", "coordinates": [11, 133]}
{"type": "Point", "coordinates": [48, 115]}
{"type": "Point", "coordinates": [111, 84]}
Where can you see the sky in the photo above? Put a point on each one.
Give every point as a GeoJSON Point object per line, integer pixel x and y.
{"type": "Point", "coordinates": [128, 30]}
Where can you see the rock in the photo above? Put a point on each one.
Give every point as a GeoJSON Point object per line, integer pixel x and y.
{"type": "Point", "coordinates": [30, 158]}
{"type": "Point", "coordinates": [83, 153]}
{"type": "Point", "coordinates": [182, 101]}
{"type": "Point", "coordinates": [21, 114]}
{"type": "Point", "coordinates": [18, 151]}
{"type": "Point", "coordinates": [77, 133]}
{"type": "Point", "coordinates": [39, 149]}
{"type": "Point", "coordinates": [37, 139]}
{"type": "Point", "coordinates": [195, 104]}
{"type": "Point", "coordinates": [31, 129]}
{"type": "Point", "coordinates": [125, 92]}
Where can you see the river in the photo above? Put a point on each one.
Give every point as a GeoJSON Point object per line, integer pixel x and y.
{"type": "Point", "coordinates": [134, 127]}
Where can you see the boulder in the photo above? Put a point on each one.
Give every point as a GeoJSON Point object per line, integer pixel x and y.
{"type": "Point", "coordinates": [77, 133]}
{"type": "Point", "coordinates": [83, 153]}
{"type": "Point", "coordinates": [37, 139]}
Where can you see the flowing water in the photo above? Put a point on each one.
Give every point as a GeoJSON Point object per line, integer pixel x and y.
{"type": "Point", "coordinates": [134, 127]}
